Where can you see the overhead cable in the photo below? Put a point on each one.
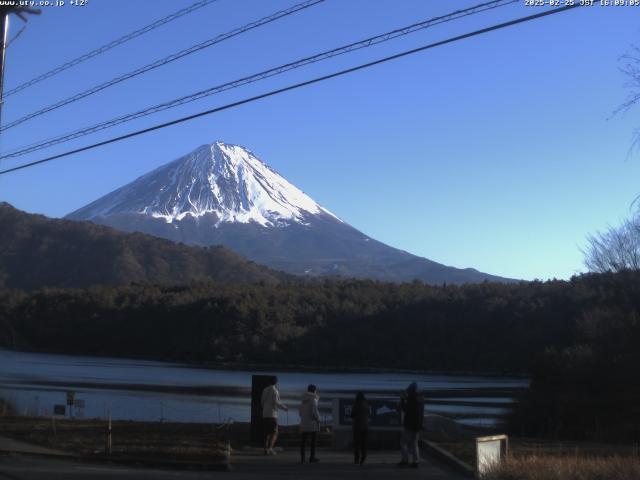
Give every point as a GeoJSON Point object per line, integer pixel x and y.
{"type": "Point", "coordinates": [294, 87]}
{"type": "Point", "coordinates": [368, 42]}
{"type": "Point", "coordinates": [108, 46]}
{"type": "Point", "coordinates": [164, 61]}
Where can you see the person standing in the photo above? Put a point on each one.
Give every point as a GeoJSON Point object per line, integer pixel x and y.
{"type": "Point", "coordinates": [270, 402]}
{"type": "Point", "coordinates": [360, 425]}
{"type": "Point", "coordinates": [309, 423]}
{"type": "Point", "coordinates": [412, 405]}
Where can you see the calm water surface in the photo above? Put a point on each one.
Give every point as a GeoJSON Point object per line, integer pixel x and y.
{"type": "Point", "coordinates": [150, 390]}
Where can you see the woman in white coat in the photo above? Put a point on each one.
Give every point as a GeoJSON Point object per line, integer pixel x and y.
{"type": "Point", "coordinates": [309, 422]}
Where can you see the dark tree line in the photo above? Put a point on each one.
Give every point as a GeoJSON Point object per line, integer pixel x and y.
{"type": "Point", "coordinates": [326, 323]}
{"type": "Point", "coordinates": [579, 339]}
{"type": "Point", "coordinates": [590, 388]}
{"type": "Point", "coordinates": [341, 323]}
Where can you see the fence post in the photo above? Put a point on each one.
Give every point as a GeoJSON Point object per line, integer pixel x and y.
{"type": "Point", "coordinates": [227, 454]}
{"type": "Point", "coordinates": [109, 439]}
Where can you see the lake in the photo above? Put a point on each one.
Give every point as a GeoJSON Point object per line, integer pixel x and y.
{"type": "Point", "coordinates": [152, 390]}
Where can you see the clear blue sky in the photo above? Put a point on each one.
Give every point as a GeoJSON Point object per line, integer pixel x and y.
{"type": "Point", "coordinates": [496, 153]}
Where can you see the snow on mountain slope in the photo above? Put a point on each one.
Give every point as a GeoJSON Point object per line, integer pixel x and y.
{"type": "Point", "coordinates": [222, 194]}
{"type": "Point", "coordinates": [225, 180]}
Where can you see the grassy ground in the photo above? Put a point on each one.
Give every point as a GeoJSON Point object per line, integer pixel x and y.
{"type": "Point", "coordinates": [140, 439]}
{"type": "Point", "coordinates": [542, 459]}
{"type": "Point", "coordinates": [464, 449]}
{"type": "Point", "coordinates": [179, 441]}
{"type": "Point", "coordinates": [531, 459]}
{"type": "Point", "coordinates": [550, 467]}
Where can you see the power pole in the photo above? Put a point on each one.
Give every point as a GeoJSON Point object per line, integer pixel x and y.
{"type": "Point", "coordinates": [4, 36]}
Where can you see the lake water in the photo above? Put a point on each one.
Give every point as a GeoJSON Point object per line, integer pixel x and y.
{"type": "Point", "coordinates": [152, 391]}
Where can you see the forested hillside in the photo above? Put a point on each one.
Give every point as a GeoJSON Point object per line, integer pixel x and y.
{"type": "Point", "coordinates": [36, 251]}
{"type": "Point", "coordinates": [481, 327]}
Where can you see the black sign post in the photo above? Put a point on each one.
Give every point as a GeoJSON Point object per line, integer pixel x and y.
{"type": "Point", "coordinates": [60, 410]}
{"type": "Point", "coordinates": [385, 423]}
{"type": "Point", "coordinates": [71, 395]}
{"type": "Point", "coordinates": [258, 384]}
{"type": "Point", "coordinates": [381, 413]}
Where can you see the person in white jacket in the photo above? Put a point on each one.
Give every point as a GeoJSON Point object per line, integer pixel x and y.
{"type": "Point", "coordinates": [270, 402]}
{"type": "Point", "coordinates": [309, 422]}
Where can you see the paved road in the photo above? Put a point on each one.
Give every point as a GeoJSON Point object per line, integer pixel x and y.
{"type": "Point", "coordinates": [336, 465]}
{"type": "Point", "coordinates": [16, 446]}
{"type": "Point", "coordinates": [38, 468]}
{"type": "Point", "coordinates": [246, 466]}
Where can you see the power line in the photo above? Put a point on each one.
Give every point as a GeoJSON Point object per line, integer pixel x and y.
{"type": "Point", "coordinates": [257, 77]}
{"type": "Point", "coordinates": [109, 46]}
{"type": "Point", "coordinates": [21, 11]}
{"type": "Point", "coordinates": [16, 36]}
{"type": "Point", "coordinates": [295, 86]}
{"type": "Point", "coordinates": [171, 58]}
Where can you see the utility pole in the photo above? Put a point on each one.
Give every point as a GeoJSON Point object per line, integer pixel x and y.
{"type": "Point", "coordinates": [4, 38]}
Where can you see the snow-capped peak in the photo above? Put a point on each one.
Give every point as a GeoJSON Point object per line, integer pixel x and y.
{"type": "Point", "coordinates": [226, 180]}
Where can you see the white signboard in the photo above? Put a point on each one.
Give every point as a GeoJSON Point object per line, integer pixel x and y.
{"type": "Point", "coordinates": [490, 451]}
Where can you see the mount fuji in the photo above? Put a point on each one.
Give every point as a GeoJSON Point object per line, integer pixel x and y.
{"type": "Point", "coordinates": [222, 194]}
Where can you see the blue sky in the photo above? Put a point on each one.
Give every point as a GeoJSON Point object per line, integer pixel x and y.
{"type": "Point", "coordinates": [498, 152]}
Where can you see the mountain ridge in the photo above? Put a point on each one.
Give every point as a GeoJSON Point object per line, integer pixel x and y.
{"type": "Point", "coordinates": [37, 251]}
{"type": "Point", "coordinates": [224, 194]}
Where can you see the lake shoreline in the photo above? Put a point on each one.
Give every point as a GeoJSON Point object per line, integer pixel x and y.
{"type": "Point", "coordinates": [267, 368]}
{"type": "Point", "coordinates": [150, 390]}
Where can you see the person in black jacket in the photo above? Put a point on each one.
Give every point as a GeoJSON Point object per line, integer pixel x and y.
{"type": "Point", "coordinates": [412, 405]}
{"type": "Point", "coordinates": [360, 425]}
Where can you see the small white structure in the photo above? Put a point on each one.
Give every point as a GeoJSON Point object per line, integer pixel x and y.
{"type": "Point", "coordinates": [490, 451]}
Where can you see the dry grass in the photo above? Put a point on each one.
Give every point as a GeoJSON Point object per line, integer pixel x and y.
{"type": "Point", "coordinates": [177, 441]}
{"type": "Point", "coordinates": [465, 449]}
{"type": "Point", "coordinates": [143, 439]}
{"type": "Point", "coordinates": [568, 468]}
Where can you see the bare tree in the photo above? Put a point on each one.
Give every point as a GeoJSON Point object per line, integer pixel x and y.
{"type": "Point", "coordinates": [631, 69]}
{"type": "Point", "coordinates": [616, 249]}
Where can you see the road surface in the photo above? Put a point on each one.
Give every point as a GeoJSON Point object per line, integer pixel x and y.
{"type": "Point", "coordinates": [247, 465]}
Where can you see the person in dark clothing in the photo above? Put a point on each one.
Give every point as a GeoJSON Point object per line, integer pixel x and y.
{"type": "Point", "coordinates": [360, 416]}
{"type": "Point", "coordinates": [412, 406]}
